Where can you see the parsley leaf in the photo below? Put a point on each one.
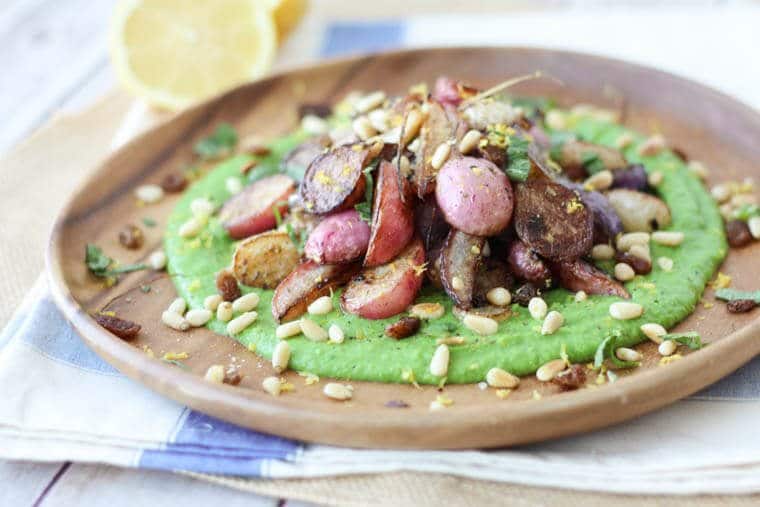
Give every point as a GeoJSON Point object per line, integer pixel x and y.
{"type": "Point", "coordinates": [220, 143]}
{"type": "Point", "coordinates": [98, 263]}
{"type": "Point", "coordinates": [365, 207]}
{"type": "Point", "coordinates": [746, 211]}
{"type": "Point", "coordinates": [732, 294]}
{"type": "Point", "coordinates": [518, 162]}
{"type": "Point", "coordinates": [606, 350]}
{"type": "Point", "coordinates": [591, 162]}
{"type": "Point", "coordinates": [691, 339]}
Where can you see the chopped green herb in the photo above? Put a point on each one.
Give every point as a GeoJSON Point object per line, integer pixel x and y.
{"type": "Point", "coordinates": [591, 162]}
{"type": "Point", "coordinates": [220, 143]}
{"type": "Point", "coordinates": [746, 211]}
{"type": "Point", "coordinates": [145, 288]}
{"type": "Point", "coordinates": [297, 237]}
{"type": "Point", "coordinates": [606, 350]}
{"type": "Point", "coordinates": [149, 222]}
{"type": "Point", "coordinates": [518, 162]}
{"type": "Point", "coordinates": [98, 263]}
{"type": "Point", "coordinates": [733, 294]}
{"type": "Point", "coordinates": [365, 207]}
{"type": "Point", "coordinates": [533, 105]}
{"type": "Point", "coordinates": [691, 339]}
{"type": "Point", "coordinates": [557, 140]}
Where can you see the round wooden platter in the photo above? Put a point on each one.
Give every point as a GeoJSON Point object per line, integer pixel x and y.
{"type": "Point", "coordinates": [705, 124]}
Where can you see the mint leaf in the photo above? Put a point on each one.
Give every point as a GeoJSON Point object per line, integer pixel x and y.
{"type": "Point", "coordinates": [746, 211]}
{"type": "Point", "coordinates": [606, 350]}
{"type": "Point", "coordinates": [98, 263]}
{"type": "Point", "coordinates": [732, 294]}
{"type": "Point", "coordinates": [220, 143]}
{"type": "Point", "coordinates": [518, 162]}
{"type": "Point", "coordinates": [691, 339]}
{"type": "Point", "coordinates": [591, 162]}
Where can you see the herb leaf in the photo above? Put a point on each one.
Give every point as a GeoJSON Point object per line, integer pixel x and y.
{"type": "Point", "coordinates": [732, 294]}
{"type": "Point", "coordinates": [98, 263]}
{"type": "Point", "coordinates": [606, 350]}
{"type": "Point", "coordinates": [298, 238]}
{"type": "Point", "coordinates": [365, 207]}
{"type": "Point", "coordinates": [518, 162]}
{"type": "Point", "coordinates": [149, 222]}
{"type": "Point", "coordinates": [591, 162]}
{"type": "Point", "coordinates": [691, 339]}
{"type": "Point", "coordinates": [220, 143]}
{"type": "Point", "coordinates": [746, 211]}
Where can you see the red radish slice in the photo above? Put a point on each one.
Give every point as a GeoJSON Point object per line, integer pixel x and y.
{"type": "Point", "coordinates": [251, 211]}
{"type": "Point", "coordinates": [386, 290]}
{"type": "Point", "coordinates": [392, 220]}
{"type": "Point", "coordinates": [339, 238]}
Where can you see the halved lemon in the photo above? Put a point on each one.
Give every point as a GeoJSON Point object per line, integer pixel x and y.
{"type": "Point", "coordinates": [173, 53]}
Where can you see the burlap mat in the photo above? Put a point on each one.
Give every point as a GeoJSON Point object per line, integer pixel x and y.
{"type": "Point", "coordinates": [35, 179]}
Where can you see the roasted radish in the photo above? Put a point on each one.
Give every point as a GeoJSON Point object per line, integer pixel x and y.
{"type": "Point", "coordinates": [264, 260]}
{"type": "Point", "coordinates": [252, 210]}
{"type": "Point", "coordinates": [339, 238]}
{"type": "Point", "coordinates": [526, 265]}
{"type": "Point", "coordinates": [392, 218]}
{"type": "Point", "coordinates": [430, 224]}
{"type": "Point", "coordinates": [437, 129]}
{"type": "Point", "coordinates": [386, 290]}
{"type": "Point", "coordinates": [307, 282]}
{"type": "Point", "coordinates": [576, 275]}
{"type": "Point", "coordinates": [461, 258]}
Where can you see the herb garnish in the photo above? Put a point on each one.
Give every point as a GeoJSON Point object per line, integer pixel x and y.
{"type": "Point", "coordinates": [220, 143]}
{"type": "Point", "coordinates": [99, 264]}
{"type": "Point", "coordinates": [591, 162]}
{"type": "Point", "coordinates": [691, 339]}
{"type": "Point", "coordinates": [606, 350]}
{"type": "Point", "coordinates": [518, 162]}
{"type": "Point", "coordinates": [746, 211]}
{"type": "Point", "coordinates": [297, 237]}
{"type": "Point", "coordinates": [733, 294]}
{"type": "Point", "coordinates": [149, 222]}
{"type": "Point", "coordinates": [365, 207]}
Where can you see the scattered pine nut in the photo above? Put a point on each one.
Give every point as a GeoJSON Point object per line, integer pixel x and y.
{"type": "Point", "coordinates": [655, 179]}
{"type": "Point", "coordinates": [238, 324]}
{"type": "Point", "coordinates": [665, 263]}
{"type": "Point", "coordinates": [457, 283]}
{"type": "Point", "coordinates": [754, 227]}
{"type": "Point", "coordinates": [212, 302]}
{"type": "Point", "coordinates": [626, 241]}
{"type": "Point", "coordinates": [379, 119]}
{"type": "Point", "coordinates": [652, 146]}
{"type": "Point", "coordinates": [624, 272]}
{"type": "Point", "coordinates": [626, 354]}
{"type": "Point", "coordinates": [653, 331]}
{"type": "Point", "coordinates": [641, 251]}
{"type": "Point", "coordinates": [441, 402]}
{"type": "Point", "coordinates": [191, 227]}
{"type": "Point", "coordinates": [215, 374]}
{"type": "Point", "coordinates": [281, 356]}
{"type": "Point", "coordinates": [552, 322]}
{"type": "Point", "coordinates": [370, 101]}
{"type": "Point", "coordinates": [625, 310]}
{"type": "Point", "coordinates": [469, 141]}
{"type": "Point", "coordinates": [623, 141]}
{"type": "Point", "coordinates": [668, 238]}
{"type": "Point", "coordinates": [439, 365]}
{"type": "Point", "coordinates": [450, 340]}
{"type": "Point", "coordinates": [336, 391]}
{"type": "Point", "coordinates": [201, 207]}
{"type": "Point", "coordinates": [496, 377]}
{"type": "Point", "coordinates": [224, 311]}
{"type": "Point", "coordinates": [157, 260]}
{"type": "Point", "coordinates": [314, 125]}
{"type": "Point", "coordinates": [499, 296]}
{"type": "Point", "coordinates": [555, 119]}
{"type": "Point", "coordinates": [412, 125]}
{"type": "Point", "coordinates": [321, 306]}
{"type": "Point", "coordinates": [335, 334]}
{"type": "Point", "coordinates": [313, 331]}
{"type": "Point", "coordinates": [428, 311]}
{"type": "Point", "coordinates": [198, 317]}
{"type": "Point", "coordinates": [537, 308]}
{"type": "Point", "coordinates": [149, 194]}
{"type": "Point", "coordinates": [288, 329]}
{"type": "Point", "coordinates": [440, 155]}
{"type": "Point", "coordinates": [178, 306]}
{"type": "Point", "coordinates": [599, 181]}
{"type": "Point", "coordinates": [581, 296]}
{"type": "Point", "coordinates": [363, 128]}
{"type": "Point", "coordinates": [721, 193]}
{"type": "Point", "coordinates": [272, 385]}
{"type": "Point", "coordinates": [602, 252]}
{"type": "Point", "coordinates": [481, 325]}
{"type": "Point", "coordinates": [245, 303]}
{"type": "Point", "coordinates": [698, 169]}
{"type": "Point", "coordinates": [667, 348]}
{"type": "Point", "coordinates": [550, 370]}
{"type": "Point", "coordinates": [175, 321]}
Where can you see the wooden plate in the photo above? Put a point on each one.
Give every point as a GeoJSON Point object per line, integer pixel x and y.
{"type": "Point", "coordinates": [704, 123]}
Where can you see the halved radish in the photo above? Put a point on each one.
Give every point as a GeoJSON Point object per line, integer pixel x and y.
{"type": "Point", "coordinates": [339, 238]}
{"type": "Point", "coordinates": [251, 211]}
{"type": "Point", "coordinates": [384, 291]}
{"type": "Point", "coordinates": [577, 274]}
{"type": "Point", "coordinates": [307, 282]}
{"type": "Point", "coordinates": [392, 219]}
{"type": "Point", "coordinates": [461, 258]}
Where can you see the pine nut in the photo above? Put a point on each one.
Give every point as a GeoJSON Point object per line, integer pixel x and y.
{"type": "Point", "coordinates": [314, 125]}
{"type": "Point", "coordinates": [212, 302]}
{"type": "Point", "coordinates": [665, 263]}
{"type": "Point", "coordinates": [415, 145]}
{"type": "Point", "coordinates": [602, 252]}
{"type": "Point", "coordinates": [552, 322]}
{"type": "Point", "coordinates": [224, 311]}
{"type": "Point", "coordinates": [201, 207]}
{"type": "Point", "coordinates": [233, 185]}
{"type": "Point", "coordinates": [149, 194]}
{"type": "Point", "coordinates": [581, 296]}
{"type": "Point", "coordinates": [655, 179]}
{"type": "Point", "coordinates": [440, 155]}
{"type": "Point", "coordinates": [272, 385]}
{"type": "Point", "coordinates": [623, 141]}
{"type": "Point", "coordinates": [340, 392]}
{"type": "Point", "coordinates": [370, 102]}
{"type": "Point", "coordinates": [288, 329]}
{"type": "Point", "coordinates": [537, 308]}
{"type": "Point", "coordinates": [178, 306]}
{"type": "Point", "coordinates": [335, 334]}
{"type": "Point", "coordinates": [238, 324]}
{"type": "Point", "coordinates": [624, 272]}
{"type": "Point", "coordinates": [626, 241]}
{"type": "Point", "coordinates": [626, 354]}
{"type": "Point", "coordinates": [599, 181]}
{"type": "Point", "coordinates": [439, 365]}
{"type": "Point", "coordinates": [245, 303]}
{"type": "Point", "coordinates": [404, 166]}
{"type": "Point", "coordinates": [457, 283]}
{"type": "Point", "coordinates": [623, 310]}
{"type": "Point", "coordinates": [157, 260]}
{"type": "Point", "coordinates": [198, 317]}
{"type": "Point", "coordinates": [363, 128]}
{"type": "Point", "coordinates": [653, 331]}
{"type": "Point", "coordinates": [641, 251]}
{"type": "Point", "coordinates": [215, 374]}
{"type": "Point", "coordinates": [321, 306]}
{"type": "Point", "coordinates": [483, 326]}
{"type": "Point", "coordinates": [754, 227]}
{"type": "Point", "coordinates": [428, 311]}
{"type": "Point", "coordinates": [496, 377]}
{"type": "Point", "coordinates": [313, 331]}
{"type": "Point", "coordinates": [652, 146]}
{"type": "Point", "coordinates": [698, 169]}
{"type": "Point", "coordinates": [743, 199]}
{"type": "Point", "coordinates": [281, 356]}
{"type": "Point", "coordinates": [721, 193]}
{"type": "Point", "coordinates": [175, 321]}
{"type": "Point", "coordinates": [469, 141]}
{"type": "Point", "coordinates": [191, 227]}
{"type": "Point", "coordinates": [499, 296]}
{"type": "Point", "coordinates": [667, 348]}
{"type": "Point", "coordinates": [726, 211]}
{"type": "Point", "coordinates": [486, 249]}
{"type": "Point", "coordinates": [668, 238]}
{"type": "Point", "coordinates": [412, 125]}
{"type": "Point", "coordinates": [379, 120]}
{"type": "Point", "coordinates": [550, 370]}
{"type": "Point", "coordinates": [555, 119]}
